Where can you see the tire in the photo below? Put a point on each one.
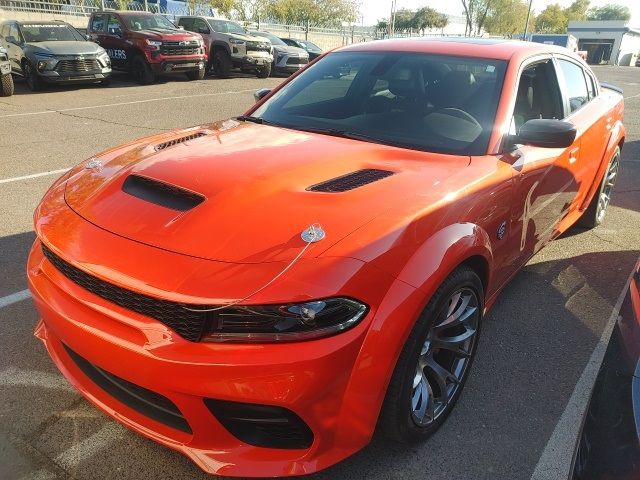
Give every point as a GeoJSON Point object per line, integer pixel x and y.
{"type": "Point", "coordinates": [595, 212]}
{"type": "Point", "coordinates": [221, 64]}
{"type": "Point", "coordinates": [34, 82]}
{"type": "Point", "coordinates": [7, 85]}
{"type": "Point", "coordinates": [264, 71]}
{"type": "Point", "coordinates": [414, 406]}
{"type": "Point", "coordinates": [141, 71]}
{"type": "Point", "coordinates": [196, 74]}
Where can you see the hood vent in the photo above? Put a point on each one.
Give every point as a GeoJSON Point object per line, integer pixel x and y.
{"type": "Point", "coordinates": [160, 193]}
{"type": "Point", "coordinates": [176, 141]}
{"type": "Point", "coordinates": [351, 181]}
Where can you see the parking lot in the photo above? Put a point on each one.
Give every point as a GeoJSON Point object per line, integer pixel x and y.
{"type": "Point", "coordinates": [521, 407]}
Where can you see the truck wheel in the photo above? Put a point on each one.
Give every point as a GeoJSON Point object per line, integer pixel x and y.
{"type": "Point", "coordinates": [34, 82]}
{"type": "Point", "coordinates": [221, 64]}
{"type": "Point", "coordinates": [594, 214]}
{"type": "Point", "coordinates": [196, 74]}
{"type": "Point", "coordinates": [264, 71]}
{"type": "Point", "coordinates": [141, 71]}
{"type": "Point", "coordinates": [7, 85]}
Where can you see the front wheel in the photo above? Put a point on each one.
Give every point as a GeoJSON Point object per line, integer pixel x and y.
{"type": "Point", "coordinates": [595, 212]}
{"type": "Point", "coordinates": [141, 71]}
{"type": "Point", "coordinates": [264, 71]}
{"type": "Point", "coordinates": [7, 85]}
{"type": "Point", "coordinates": [196, 74]}
{"type": "Point", "coordinates": [435, 361]}
{"type": "Point", "coordinates": [221, 64]}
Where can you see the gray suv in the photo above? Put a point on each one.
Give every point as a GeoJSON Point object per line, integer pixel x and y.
{"type": "Point", "coordinates": [287, 59]}
{"type": "Point", "coordinates": [230, 46]}
{"type": "Point", "coordinates": [6, 88]}
{"type": "Point", "coordinates": [53, 52]}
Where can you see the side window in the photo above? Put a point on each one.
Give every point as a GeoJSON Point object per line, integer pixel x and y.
{"type": "Point", "coordinates": [97, 23]}
{"type": "Point", "coordinates": [187, 23]}
{"type": "Point", "coordinates": [14, 32]}
{"type": "Point", "coordinates": [4, 31]}
{"type": "Point", "coordinates": [575, 83]}
{"type": "Point", "coordinates": [538, 95]}
{"type": "Point", "coordinates": [114, 27]}
{"type": "Point", "coordinates": [200, 26]}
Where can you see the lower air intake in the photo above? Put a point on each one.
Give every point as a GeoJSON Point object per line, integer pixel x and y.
{"type": "Point", "coordinates": [351, 181]}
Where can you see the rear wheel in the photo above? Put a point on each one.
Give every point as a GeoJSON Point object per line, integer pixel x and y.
{"type": "Point", "coordinates": [595, 212]}
{"type": "Point", "coordinates": [7, 85]}
{"type": "Point", "coordinates": [221, 64]}
{"type": "Point", "coordinates": [435, 361]}
{"type": "Point", "coordinates": [141, 71]}
{"type": "Point", "coordinates": [264, 71]}
{"type": "Point", "coordinates": [34, 82]}
{"type": "Point", "coordinates": [196, 74]}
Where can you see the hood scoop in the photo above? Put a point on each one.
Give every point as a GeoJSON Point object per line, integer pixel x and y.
{"type": "Point", "coordinates": [161, 193]}
{"type": "Point", "coordinates": [176, 141]}
{"type": "Point", "coordinates": [350, 181]}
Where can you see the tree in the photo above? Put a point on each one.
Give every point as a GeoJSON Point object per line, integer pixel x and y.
{"type": "Point", "coordinates": [475, 12]}
{"type": "Point", "coordinates": [507, 18]}
{"type": "Point", "coordinates": [427, 17]}
{"type": "Point", "coordinates": [250, 10]}
{"type": "Point", "coordinates": [313, 12]}
{"type": "Point", "coordinates": [609, 12]}
{"type": "Point", "coordinates": [577, 10]}
{"type": "Point", "coordinates": [552, 20]}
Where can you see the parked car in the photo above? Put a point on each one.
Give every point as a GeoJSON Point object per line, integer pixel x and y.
{"type": "Point", "coordinates": [53, 52]}
{"type": "Point", "coordinates": [286, 59]}
{"type": "Point", "coordinates": [230, 46]}
{"type": "Point", "coordinates": [311, 48]}
{"type": "Point", "coordinates": [5, 74]}
{"type": "Point", "coordinates": [609, 444]}
{"type": "Point", "coordinates": [265, 292]}
{"type": "Point", "coordinates": [147, 45]}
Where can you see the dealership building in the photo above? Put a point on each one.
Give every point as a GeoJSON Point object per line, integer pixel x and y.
{"type": "Point", "coordinates": [611, 42]}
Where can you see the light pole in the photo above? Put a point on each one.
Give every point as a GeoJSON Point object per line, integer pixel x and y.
{"type": "Point", "coordinates": [392, 19]}
{"type": "Point", "coordinates": [526, 25]}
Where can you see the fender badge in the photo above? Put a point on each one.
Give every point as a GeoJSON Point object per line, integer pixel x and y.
{"type": "Point", "coordinates": [93, 163]}
{"type": "Point", "coordinates": [502, 229]}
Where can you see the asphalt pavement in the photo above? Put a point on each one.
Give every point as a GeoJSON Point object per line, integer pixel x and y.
{"type": "Point", "coordinates": [537, 342]}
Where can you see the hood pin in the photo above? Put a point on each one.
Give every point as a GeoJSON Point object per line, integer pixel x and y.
{"type": "Point", "coordinates": [313, 234]}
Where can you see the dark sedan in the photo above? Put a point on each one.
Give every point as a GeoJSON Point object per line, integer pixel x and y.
{"type": "Point", "coordinates": [312, 49]}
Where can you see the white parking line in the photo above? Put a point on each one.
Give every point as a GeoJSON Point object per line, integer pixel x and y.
{"type": "Point", "coordinates": [15, 377]}
{"type": "Point", "coordinates": [158, 99]}
{"type": "Point", "coordinates": [555, 461]}
{"type": "Point", "coordinates": [90, 446]}
{"type": "Point", "coordinates": [33, 175]}
{"type": "Point", "coordinates": [14, 298]}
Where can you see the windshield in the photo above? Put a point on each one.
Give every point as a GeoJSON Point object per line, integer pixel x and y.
{"type": "Point", "coordinates": [223, 26]}
{"type": "Point", "coordinates": [50, 33]}
{"type": "Point", "coordinates": [274, 40]}
{"type": "Point", "coordinates": [149, 22]}
{"type": "Point", "coordinates": [312, 47]}
{"type": "Point", "coordinates": [425, 102]}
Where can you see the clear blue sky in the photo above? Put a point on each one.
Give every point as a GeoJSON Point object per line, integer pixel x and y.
{"type": "Point", "coordinates": [376, 9]}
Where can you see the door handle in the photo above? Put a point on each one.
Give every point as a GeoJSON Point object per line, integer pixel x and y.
{"type": "Point", "coordinates": [573, 155]}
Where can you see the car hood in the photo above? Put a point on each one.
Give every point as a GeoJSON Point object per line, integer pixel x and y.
{"type": "Point", "coordinates": [289, 49]}
{"type": "Point", "coordinates": [248, 38]}
{"type": "Point", "coordinates": [166, 35]}
{"type": "Point", "coordinates": [253, 184]}
{"type": "Point", "coordinates": [64, 48]}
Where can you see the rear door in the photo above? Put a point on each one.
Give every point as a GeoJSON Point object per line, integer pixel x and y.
{"type": "Point", "coordinates": [588, 111]}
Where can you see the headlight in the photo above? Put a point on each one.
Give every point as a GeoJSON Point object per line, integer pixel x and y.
{"type": "Point", "coordinates": [235, 41]}
{"type": "Point", "coordinates": [104, 59]}
{"type": "Point", "coordinates": [154, 44]}
{"type": "Point", "coordinates": [284, 323]}
{"type": "Point", "coordinates": [45, 61]}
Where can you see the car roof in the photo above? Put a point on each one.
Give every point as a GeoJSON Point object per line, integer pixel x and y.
{"type": "Point", "coordinates": [127, 13]}
{"type": "Point", "coordinates": [494, 48]}
{"type": "Point", "coordinates": [207, 18]}
{"type": "Point", "coordinates": [39, 22]}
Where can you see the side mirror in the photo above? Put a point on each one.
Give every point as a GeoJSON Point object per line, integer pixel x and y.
{"type": "Point", "coordinates": [544, 133]}
{"type": "Point", "coordinates": [180, 27]}
{"type": "Point", "coordinates": [260, 94]}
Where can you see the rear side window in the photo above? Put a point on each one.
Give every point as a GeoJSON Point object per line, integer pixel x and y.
{"type": "Point", "coordinates": [575, 83]}
{"type": "Point", "coordinates": [97, 23]}
{"type": "Point", "coordinates": [187, 23]}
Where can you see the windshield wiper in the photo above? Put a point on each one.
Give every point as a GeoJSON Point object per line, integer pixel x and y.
{"type": "Point", "coordinates": [335, 132]}
{"type": "Point", "coordinates": [249, 118]}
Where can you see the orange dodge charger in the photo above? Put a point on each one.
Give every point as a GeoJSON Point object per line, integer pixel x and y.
{"type": "Point", "coordinates": [265, 292]}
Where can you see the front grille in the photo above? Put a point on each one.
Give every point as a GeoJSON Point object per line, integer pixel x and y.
{"type": "Point", "coordinates": [146, 402]}
{"type": "Point", "coordinates": [186, 323]}
{"type": "Point", "coordinates": [297, 60]}
{"type": "Point", "coordinates": [175, 141]}
{"type": "Point", "coordinates": [77, 66]}
{"type": "Point", "coordinates": [258, 47]}
{"type": "Point", "coordinates": [351, 181]}
{"type": "Point", "coordinates": [190, 47]}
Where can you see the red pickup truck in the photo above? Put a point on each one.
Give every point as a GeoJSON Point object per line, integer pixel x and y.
{"type": "Point", "coordinates": [147, 44]}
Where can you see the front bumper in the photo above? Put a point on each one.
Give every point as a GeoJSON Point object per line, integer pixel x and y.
{"type": "Point", "coordinates": [160, 63]}
{"type": "Point", "coordinates": [80, 77]}
{"type": "Point", "coordinates": [290, 64]}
